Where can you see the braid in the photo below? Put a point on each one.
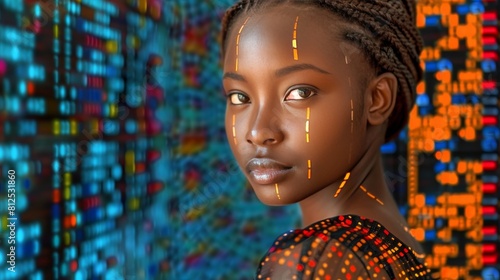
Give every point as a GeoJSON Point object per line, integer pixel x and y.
{"type": "Point", "coordinates": [386, 64]}
{"type": "Point", "coordinates": [231, 14]}
{"type": "Point", "coordinates": [388, 38]}
{"type": "Point", "coordinates": [242, 6]}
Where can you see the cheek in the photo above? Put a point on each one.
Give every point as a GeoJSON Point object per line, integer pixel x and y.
{"type": "Point", "coordinates": [235, 133]}
{"type": "Point", "coordinates": [329, 126]}
{"type": "Point", "coordinates": [231, 129]}
{"type": "Point", "coordinates": [308, 125]}
{"type": "Point", "coordinates": [329, 135]}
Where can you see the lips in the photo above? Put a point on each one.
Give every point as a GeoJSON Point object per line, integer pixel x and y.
{"type": "Point", "coordinates": [266, 171]}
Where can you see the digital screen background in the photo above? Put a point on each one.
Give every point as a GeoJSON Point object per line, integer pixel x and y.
{"type": "Point", "coordinates": [112, 121]}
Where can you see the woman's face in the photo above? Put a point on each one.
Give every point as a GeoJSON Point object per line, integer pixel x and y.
{"type": "Point", "coordinates": [294, 117]}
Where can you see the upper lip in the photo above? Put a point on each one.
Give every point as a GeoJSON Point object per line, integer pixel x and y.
{"type": "Point", "coordinates": [265, 164]}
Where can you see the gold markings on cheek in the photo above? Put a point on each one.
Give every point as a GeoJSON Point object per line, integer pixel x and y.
{"type": "Point", "coordinates": [309, 165]}
{"type": "Point", "coordinates": [352, 121]}
{"type": "Point", "coordinates": [238, 44]}
{"type": "Point", "coordinates": [352, 131]}
{"type": "Point", "coordinates": [346, 177]}
{"type": "Point", "coordinates": [234, 130]}
{"type": "Point", "coordinates": [294, 40]}
{"type": "Point", "coordinates": [277, 191]}
{"type": "Point", "coordinates": [308, 115]}
{"type": "Point", "coordinates": [352, 116]}
{"type": "Point", "coordinates": [309, 169]}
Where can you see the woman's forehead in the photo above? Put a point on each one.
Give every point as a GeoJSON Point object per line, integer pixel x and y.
{"type": "Point", "coordinates": [287, 33]}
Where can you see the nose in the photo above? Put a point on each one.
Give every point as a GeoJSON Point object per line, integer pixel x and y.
{"type": "Point", "coordinates": [265, 129]}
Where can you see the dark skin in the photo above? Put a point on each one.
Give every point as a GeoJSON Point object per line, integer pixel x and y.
{"type": "Point", "coordinates": [268, 96]}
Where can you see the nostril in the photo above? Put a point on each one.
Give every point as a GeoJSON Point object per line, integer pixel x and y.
{"type": "Point", "coordinates": [269, 141]}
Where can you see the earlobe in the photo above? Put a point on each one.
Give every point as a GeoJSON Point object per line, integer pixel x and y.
{"type": "Point", "coordinates": [382, 91]}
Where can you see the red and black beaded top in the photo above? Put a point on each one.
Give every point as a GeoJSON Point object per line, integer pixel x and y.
{"type": "Point", "coordinates": [344, 247]}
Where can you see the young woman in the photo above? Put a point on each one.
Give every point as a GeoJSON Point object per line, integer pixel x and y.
{"type": "Point", "coordinates": [314, 88]}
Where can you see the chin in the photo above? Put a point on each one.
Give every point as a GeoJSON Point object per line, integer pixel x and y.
{"type": "Point", "coordinates": [267, 195]}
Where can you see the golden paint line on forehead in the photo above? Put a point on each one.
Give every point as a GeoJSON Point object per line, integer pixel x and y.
{"type": "Point", "coordinates": [294, 41]}
{"type": "Point", "coordinates": [238, 43]}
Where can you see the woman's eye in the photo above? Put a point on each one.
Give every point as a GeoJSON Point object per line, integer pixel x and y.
{"type": "Point", "coordinates": [238, 98]}
{"type": "Point", "coordinates": [300, 93]}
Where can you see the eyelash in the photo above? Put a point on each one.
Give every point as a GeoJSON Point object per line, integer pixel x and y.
{"type": "Point", "coordinates": [238, 95]}
{"type": "Point", "coordinates": [310, 89]}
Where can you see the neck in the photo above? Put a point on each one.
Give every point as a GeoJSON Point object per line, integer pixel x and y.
{"type": "Point", "coordinates": [369, 173]}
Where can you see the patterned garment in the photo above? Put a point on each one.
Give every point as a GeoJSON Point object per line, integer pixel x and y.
{"type": "Point", "coordinates": [344, 247]}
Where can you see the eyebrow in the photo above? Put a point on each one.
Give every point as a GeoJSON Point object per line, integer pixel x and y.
{"type": "Point", "coordinates": [234, 76]}
{"type": "Point", "coordinates": [299, 67]}
{"type": "Point", "coordinates": [280, 72]}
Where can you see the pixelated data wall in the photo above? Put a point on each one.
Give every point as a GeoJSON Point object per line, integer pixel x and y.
{"type": "Point", "coordinates": [112, 149]}
{"type": "Point", "coordinates": [112, 130]}
{"type": "Point", "coordinates": [453, 171]}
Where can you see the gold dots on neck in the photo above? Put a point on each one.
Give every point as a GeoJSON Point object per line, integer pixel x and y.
{"type": "Point", "coordinates": [371, 195]}
{"type": "Point", "coordinates": [346, 177]}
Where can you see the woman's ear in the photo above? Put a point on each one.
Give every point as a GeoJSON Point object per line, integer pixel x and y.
{"type": "Point", "coordinates": [382, 98]}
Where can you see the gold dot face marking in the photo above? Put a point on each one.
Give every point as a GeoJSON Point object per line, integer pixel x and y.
{"type": "Point", "coordinates": [352, 130]}
{"type": "Point", "coordinates": [294, 40]}
{"type": "Point", "coordinates": [277, 191]}
{"type": "Point", "coordinates": [309, 165]}
{"type": "Point", "coordinates": [234, 130]}
{"type": "Point", "coordinates": [371, 195]}
{"type": "Point", "coordinates": [352, 116]}
{"type": "Point", "coordinates": [238, 44]}
{"type": "Point", "coordinates": [309, 170]}
{"type": "Point", "coordinates": [346, 177]}
{"type": "Point", "coordinates": [308, 115]}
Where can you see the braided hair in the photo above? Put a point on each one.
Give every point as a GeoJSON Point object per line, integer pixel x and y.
{"type": "Point", "coordinates": [386, 33]}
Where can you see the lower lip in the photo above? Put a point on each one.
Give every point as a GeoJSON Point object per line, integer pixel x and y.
{"type": "Point", "coordinates": [268, 176]}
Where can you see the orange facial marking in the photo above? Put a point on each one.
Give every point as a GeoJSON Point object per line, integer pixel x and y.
{"type": "Point", "coordinates": [294, 40]}
{"type": "Point", "coordinates": [234, 130]}
{"type": "Point", "coordinates": [309, 169]}
{"type": "Point", "coordinates": [308, 115]}
{"type": "Point", "coordinates": [238, 44]}
{"type": "Point", "coordinates": [346, 177]}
